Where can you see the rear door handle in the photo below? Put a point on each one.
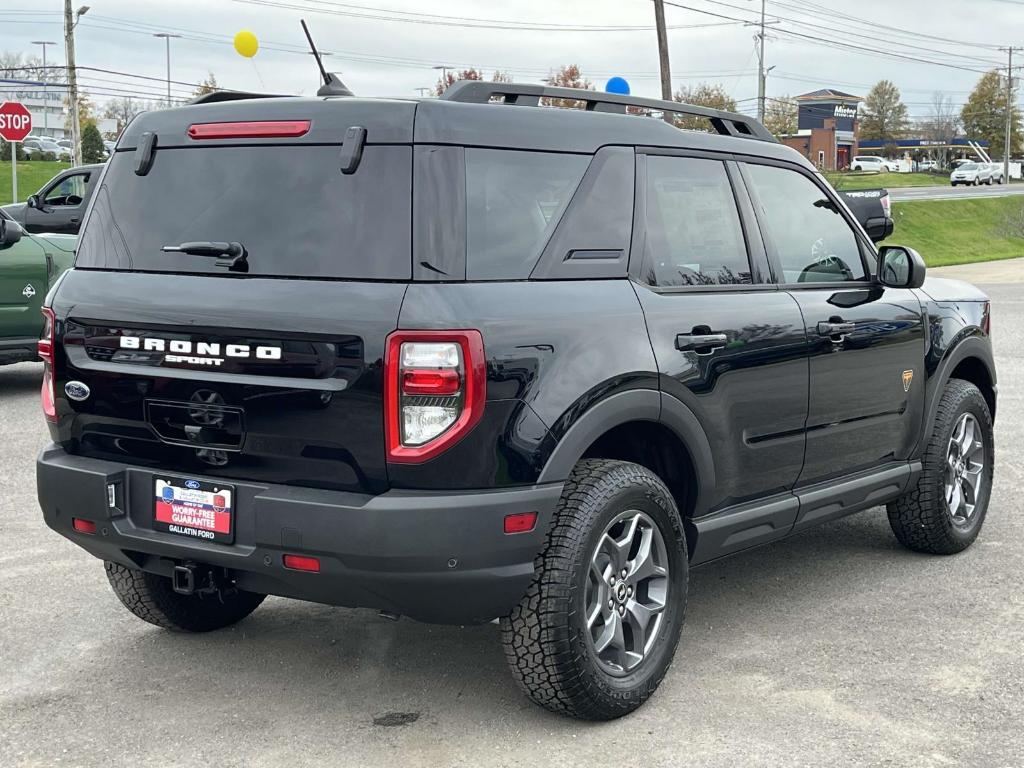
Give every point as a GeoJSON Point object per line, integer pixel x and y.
{"type": "Point", "coordinates": [701, 343]}
{"type": "Point", "coordinates": [836, 328]}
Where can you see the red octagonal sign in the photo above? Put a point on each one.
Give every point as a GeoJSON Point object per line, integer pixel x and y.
{"type": "Point", "coordinates": [15, 121]}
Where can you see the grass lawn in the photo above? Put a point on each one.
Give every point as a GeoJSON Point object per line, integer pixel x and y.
{"type": "Point", "coordinates": [851, 180]}
{"type": "Point", "coordinates": [960, 231]}
{"type": "Point", "coordinates": [31, 176]}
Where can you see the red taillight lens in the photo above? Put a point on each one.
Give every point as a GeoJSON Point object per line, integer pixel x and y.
{"type": "Point", "coordinates": [44, 347]}
{"type": "Point", "coordinates": [986, 319]}
{"type": "Point", "coordinates": [302, 563]}
{"type": "Point", "coordinates": [266, 129]}
{"type": "Point", "coordinates": [434, 390]}
{"type": "Point", "coordinates": [520, 522]}
{"type": "Point", "coordinates": [83, 526]}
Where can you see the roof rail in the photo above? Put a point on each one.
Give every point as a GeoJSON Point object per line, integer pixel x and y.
{"type": "Point", "coordinates": [215, 96]}
{"type": "Point", "coordinates": [526, 94]}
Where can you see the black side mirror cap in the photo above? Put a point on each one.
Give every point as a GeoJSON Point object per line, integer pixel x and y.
{"type": "Point", "coordinates": [900, 267]}
{"type": "Point", "coordinates": [33, 201]}
{"type": "Point", "coordinates": [10, 233]}
{"type": "Point", "coordinates": [879, 228]}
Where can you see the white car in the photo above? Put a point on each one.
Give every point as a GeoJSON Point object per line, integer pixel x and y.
{"type": "Point", "coordinates": [972, 174]}
{"type": "Point", "coordinates": [870, 163]}
{"type": "Point", "coordinates": [927, 165]}
{"type": "Point", "coordinates": [996, 176]}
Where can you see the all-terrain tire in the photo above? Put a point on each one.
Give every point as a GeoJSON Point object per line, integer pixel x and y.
{"type": "Point", "coordinates": [920, 518]}
{"type": "Point", "coordinates": [152, 598]}
{"type": "Point", "coordinates": [545, 637]}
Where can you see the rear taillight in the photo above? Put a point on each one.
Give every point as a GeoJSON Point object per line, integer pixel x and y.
{"type": "Point", "coordinates": [434, 391]}
{"type": "Point", "coordinates": [986, 319]}
{"type": "Point", "coordinates": [886, 205]}
{"type": "Point", "coordinates": [45, 349]}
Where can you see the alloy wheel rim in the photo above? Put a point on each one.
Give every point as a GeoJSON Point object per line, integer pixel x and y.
{"type": "Point", "coordinates": [965, 470]}
{"type": "Point", "coordinates": [627, 591]}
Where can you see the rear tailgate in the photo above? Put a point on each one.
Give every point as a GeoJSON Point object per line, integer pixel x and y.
{"type": "Point", "coordinates": [271, 375]}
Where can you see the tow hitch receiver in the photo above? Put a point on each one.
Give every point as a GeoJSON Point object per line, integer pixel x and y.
{"type": "Point", "coordinates": [191, 579]}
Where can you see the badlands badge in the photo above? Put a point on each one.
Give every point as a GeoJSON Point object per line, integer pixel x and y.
{"type": "Point", "coordinates": [908, 378]}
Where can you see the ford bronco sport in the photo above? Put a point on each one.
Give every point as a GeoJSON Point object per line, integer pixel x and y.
{"type": "Point", "coordinates": [464, 360]}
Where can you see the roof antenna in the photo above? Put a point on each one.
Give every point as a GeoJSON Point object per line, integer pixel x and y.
{"type": "Point", "coordinates": [332, 83]}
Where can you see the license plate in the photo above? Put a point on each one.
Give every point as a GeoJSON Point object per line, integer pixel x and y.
{"type": "Point", "coordinates": [194, 508]}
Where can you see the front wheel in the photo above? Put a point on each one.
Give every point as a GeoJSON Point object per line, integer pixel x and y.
{"type": "Point", "coordinates": [598, 627]}
{"type": "Point", "coordinates": [943, 513]}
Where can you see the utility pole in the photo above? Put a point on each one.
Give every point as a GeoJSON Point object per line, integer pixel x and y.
{"type": "Point", "coordinates": [663, 63]}
{"type": "Point", "coordinates": [70, 22]}
{"type": "Point", "coordinates": [760, 68]}
{"type": "Point", "coordinates": [1009, 112]}
{"type": "Point", "coordinates": [46, 92]}
{"type": "Point", "coordinates": [167, 40]}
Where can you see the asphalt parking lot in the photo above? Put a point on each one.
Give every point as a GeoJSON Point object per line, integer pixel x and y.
{"type": "Point", "coordinates": [835, 647]}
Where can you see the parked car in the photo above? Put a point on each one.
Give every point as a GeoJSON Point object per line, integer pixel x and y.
{"type": "Point", "coordinates": [995, 173]}
{"type": "Point", "coordinates": [927, 165]}
{"type": "Point", "coordinates": [479, 361]}
{"type": "Point", "coordinates": [871, 163]}
{"type": "Point", "coordinates": [29, 266]}
{"type": "Point", "coordinates": [60, 204]}
{"type": "Point", "coordinates": [44, 145]}
{"type": "Point", "coordinates": [971, 174]}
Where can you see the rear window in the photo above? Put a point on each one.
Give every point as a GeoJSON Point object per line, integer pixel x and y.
{"type": "Point", "coordinates": [514, 200]}
{"type": "Point", "coordinates": [290, 206]}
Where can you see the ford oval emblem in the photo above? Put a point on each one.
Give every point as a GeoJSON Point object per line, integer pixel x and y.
{"type": "Point", "coordinates": [192, 484]}
{"type": "Point", "coordinates": [76, 390]}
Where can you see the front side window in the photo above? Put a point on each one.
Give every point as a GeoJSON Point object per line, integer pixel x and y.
{"type": "Point", "coordinates": [693, 231]}
{"type": "Point", "coordinates": [514, 200]}
{"type": "Point", "coordinates": [813, 241]}
{"type": "Point", "coordinates": [70, 190]}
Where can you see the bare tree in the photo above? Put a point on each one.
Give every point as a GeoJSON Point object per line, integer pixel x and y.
{"type": "Point", "coordinates": [18, 66]}
{"type": "Point", "coordinates": [942, 123]}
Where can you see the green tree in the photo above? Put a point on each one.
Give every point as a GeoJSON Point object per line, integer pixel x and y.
{"type": "Point", "coordinates": [92, 144]}
{"type": "Point", "coordinates": [984, 115]}
{"type": "Point", "coordinates": [884, 115]}
{"type": "Point", "coordinates": [703, 95]}
{"type": "Point", "coordinates": [780, 116]}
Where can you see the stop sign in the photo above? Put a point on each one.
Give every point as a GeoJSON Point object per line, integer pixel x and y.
{"type": "Point", "coordinates": [15, 121]}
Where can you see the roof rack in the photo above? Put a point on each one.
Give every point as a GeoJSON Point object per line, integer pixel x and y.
{"type": "Point", "coordinates": [215, 96]}
{"type": "Point", "coordinates": [525, 94]}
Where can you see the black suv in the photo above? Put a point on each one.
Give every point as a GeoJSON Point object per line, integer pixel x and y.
{"type": "Point", "coordinates": [470, 358]}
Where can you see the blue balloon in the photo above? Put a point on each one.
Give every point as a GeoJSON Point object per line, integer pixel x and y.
{"type": "Point", "coordinates": [617, 85]}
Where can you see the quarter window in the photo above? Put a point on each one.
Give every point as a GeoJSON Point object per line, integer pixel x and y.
{"type": "Point", "coordinates": [813, 241]}
{"type": "Point", "coordinates": [693, 231]}
{"type": "Point", "coordinates": [514, 200]}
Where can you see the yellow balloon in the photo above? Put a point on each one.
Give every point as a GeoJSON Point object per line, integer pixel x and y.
{"type": "Point", "coordinates": [246, 43]}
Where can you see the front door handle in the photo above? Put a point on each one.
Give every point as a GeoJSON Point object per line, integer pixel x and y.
{"type": "Point", "coordinates": [836, 328]}
{"type": "Point", "coordinates": [701, 343]}
{"type": "Point", "coordinates": [76, 220]}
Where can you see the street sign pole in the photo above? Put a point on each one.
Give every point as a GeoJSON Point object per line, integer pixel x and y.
{"type": "Point", "coordinates": [15, 125]}
{"type": "Point", "coordinates": [14, 171]}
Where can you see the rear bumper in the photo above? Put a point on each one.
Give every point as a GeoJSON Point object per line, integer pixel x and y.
{"type": "Point", "coordinates": [18, 351]}
{"type": "Point", "coordinates": [438, 557]}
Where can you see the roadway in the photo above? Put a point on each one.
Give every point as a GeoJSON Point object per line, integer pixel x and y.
{"type": "Point", "coordinates": [947, 192]}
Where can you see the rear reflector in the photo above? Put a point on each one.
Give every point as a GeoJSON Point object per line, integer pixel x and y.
{"type": "Point", "coordinates": [520, 522]}
{"type": "Point", "coordinates": [302, 563]}
{"type": "Point", "coordinates": [267, 129]}
{"type": "Point", "coordinates": [439, 382]}
{"type": "Point", "coordinates": [83, 526]}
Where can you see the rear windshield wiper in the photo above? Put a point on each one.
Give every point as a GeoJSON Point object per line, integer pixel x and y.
{"type": "Point", "coordinates": [238, 261]}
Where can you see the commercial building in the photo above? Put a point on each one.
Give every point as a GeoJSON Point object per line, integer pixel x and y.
{"type": "Point", "coordinates": [47, 105]}
{"type": "Point", "coordinates": [826, 128]}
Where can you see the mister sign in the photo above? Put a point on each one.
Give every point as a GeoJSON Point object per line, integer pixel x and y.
{"type": "Point", "coordinates": [15, 121]}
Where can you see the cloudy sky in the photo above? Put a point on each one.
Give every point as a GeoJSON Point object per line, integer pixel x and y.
{"type": "Point", "coordinates": [389, 48]}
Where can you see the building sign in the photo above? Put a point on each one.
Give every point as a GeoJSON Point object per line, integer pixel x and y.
{"type": "Point", "coordinates": [813, 114]}
{"type": "Point", "coordinates": [844, 110]}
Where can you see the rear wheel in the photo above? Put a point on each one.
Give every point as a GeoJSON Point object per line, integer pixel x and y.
{"type": "Point", "coordinates": [598, 627]}
{"type": "Point", "coordinates": [943, 513]}
{"type": "Point", "coordinates": [153, 599]}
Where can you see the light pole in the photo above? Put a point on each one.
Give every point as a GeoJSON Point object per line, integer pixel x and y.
{"type": "Point", "coordinates": [444, 74]}
{"type": "Point", "coordinates": [70, 22]}
{"type": "Point", "coordinates": [167, 40]}
{"type": "Point", "coordinates": [46, 93]}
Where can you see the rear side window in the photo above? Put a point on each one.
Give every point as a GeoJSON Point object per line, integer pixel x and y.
{"type": "Point", "coordinates": [812, 239]}
{"type": "Point", "coordinates": [290, 206]}
{"type": "Point", "coordinates": [514, 200]}
{"type": "Point", "coordinates": [693, 231]}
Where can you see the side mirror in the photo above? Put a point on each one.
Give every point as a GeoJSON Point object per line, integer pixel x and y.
{"type": "Point", "coordinates": [900, 267]}
{"type": "Point", "coordinates": [33, 201]}
{"type": "Point", "coordinates": [10, 233]}
{"type": "Point", "coordinates": [879, 228]}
